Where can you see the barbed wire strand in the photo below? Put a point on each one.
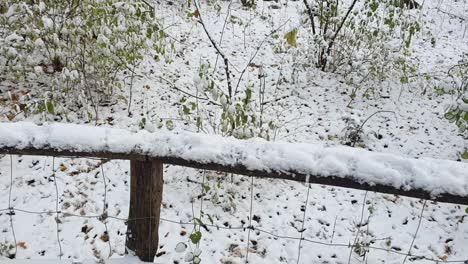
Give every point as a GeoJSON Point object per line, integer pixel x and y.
{"type": "Point", "coordinates": [417, 230]}
{"type": "Point", "coordinates": [57, 208]}
{"type": "Point", "coordinates": [250, 219]}
{"type": "Point", "coordinates": [303, 224]}
{"type": "Point", "coordinates": [11, 210]}
{"type": "Point", "coordinates": [104, 209]}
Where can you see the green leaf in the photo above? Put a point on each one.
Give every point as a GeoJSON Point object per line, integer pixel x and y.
{"type": "Point", "coordinates": [291, 37]}
{"type": "Point", "coordinates": [465, 156]}
{"type": "Point", "coordinates": [466, 210]}
{"type": "Point", "coordinates": [149, 32]}
{"type": "Point", "coordinates": [199, 122]}
{"type": "Point", "coordinates": [206, 188]}
{"type": "Point", "coordinates": [404, 80]}
{"type": "Point", "coordinates": [186, 110]}
{"type": "Point", "coordinates": [170, 125]}
{"type": "Point", "coordinates": [248, 96]}
{"type": "Point", "coordinates": [41, 108]}
{"type": "Point", "coordinates": [449, 115]}
{"type": "Point", "coordinates": [142, 123]}
{"type": "Point", "coordinates": [50, 108]}
{"type": "Point", "coordinates": [195, 237]}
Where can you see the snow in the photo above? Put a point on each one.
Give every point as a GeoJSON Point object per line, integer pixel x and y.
{"type": "Point", "coordinates": [124, 260]}
{"type": "Point", "coordinates": [432, 175]}
{"type": "Point", "coordinates": [311, 108]}
{"type": "Point", "coordinates": [48, 23]}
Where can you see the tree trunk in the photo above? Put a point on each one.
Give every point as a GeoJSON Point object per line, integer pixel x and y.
{"type": "Point", "coordinates": [146, 188]}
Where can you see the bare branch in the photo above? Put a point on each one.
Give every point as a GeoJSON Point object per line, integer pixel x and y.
{"type": "Point", "coordinates": [218, 50]}
{"type": "Point", "coordinates": [311, 15]}
{"type": "Point", "coordinates": [332, 41]}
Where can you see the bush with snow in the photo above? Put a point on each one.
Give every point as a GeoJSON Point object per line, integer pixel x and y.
{"type": "Point", "coordinates": [79, 48]}
{"type": "Point", "coordinates": [458, 111]}
{"type": "Point", "coordinates": [363, 41]}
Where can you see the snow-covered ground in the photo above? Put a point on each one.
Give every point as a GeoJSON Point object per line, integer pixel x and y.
{"type": "Point", "coordinates": [311, 108]}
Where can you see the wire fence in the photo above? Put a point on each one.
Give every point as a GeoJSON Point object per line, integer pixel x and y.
{"type": "Point", "coordinates": [358, 247]}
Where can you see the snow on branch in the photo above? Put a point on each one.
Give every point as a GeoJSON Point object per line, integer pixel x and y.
{"type": "Point", "coordinates": [440, 180]}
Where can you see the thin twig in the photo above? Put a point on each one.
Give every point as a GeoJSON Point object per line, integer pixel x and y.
{"type": "Point", "coordinates": [303, 224]}
{"type": "Point", "coordinates": [332, 41]}
{"type": "Point", "coordinates": [250, 219]}
{"type": "Point", "coordinates": [11, 210]}
{"type": "Point", "coordinates": [218, 50]}
{"type": "Point", "coordinates": [311, 15]}
{"type": "Point", "coordinates": [222, 32]}
{"type": "Point", "coordinates": [359, 130]}
{"type": "Point", "coordinates": [417, 230]}
{"type": "Point", "coordinates": [57, 212]}
{"type": "Point", "coordinates": [358, 227]}
{"type": "Point", "coordinates": [255, 54]}
{"type": "Point", "coordinates": [104, 209]}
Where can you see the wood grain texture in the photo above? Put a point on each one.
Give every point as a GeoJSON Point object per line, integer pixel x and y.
{"type": "Point", "coordinates": [146, 188]}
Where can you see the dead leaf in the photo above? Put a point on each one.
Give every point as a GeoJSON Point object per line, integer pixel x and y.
{"type": "Point", "coordinates": [105, 237]}
{"type": "Point", "coordinates": [22, 245]}
{"type": "Point", "coordinates": [63, 167]}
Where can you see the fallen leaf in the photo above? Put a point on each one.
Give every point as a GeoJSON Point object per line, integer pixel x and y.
{"type": "Point", "coordinates": [105, 237]}
{"type": "Point", "coordinates": [63, 167]}
{"type": "Point", "coordinates": [22, 245]}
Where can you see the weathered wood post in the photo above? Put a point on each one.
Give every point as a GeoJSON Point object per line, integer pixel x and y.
{"type": "Point", "coordinates": [146, 188]}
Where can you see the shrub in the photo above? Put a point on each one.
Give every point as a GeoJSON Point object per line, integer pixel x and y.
{"type": "Point", "coordinates": [78, 48]}
{"type": "Point", "coordinates": [458, 111]}
{"type": "Point", "coordinates": [361, 40]}
{"type": "Point", "coordinates": [240, 116]}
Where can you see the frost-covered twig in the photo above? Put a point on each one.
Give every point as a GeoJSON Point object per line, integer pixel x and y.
{"type": "Point", "coordinates": [255, 54]}
{"type": "Point", "coordinates": [218, 50]}
{"type": "Point", "coordinates": [462, 18]}
{"type": "Point", "coordinates": [417, 230]}
{"type": "Point", "coordinates": [311, 16]}
{"type": "Point", "coordinates": [358, 227]}
{"type": "Point", "coordinates": [222, 31]}
{"type": "Point", "coordinates": [359, 130]}
{"type": "Point", "coordinates": [172, 85]}
{"type": "Point", "coordinates": [332, 41]}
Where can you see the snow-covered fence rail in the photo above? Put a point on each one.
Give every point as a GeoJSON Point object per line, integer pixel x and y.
{"type": "Point", "coordinates": [438, 180]}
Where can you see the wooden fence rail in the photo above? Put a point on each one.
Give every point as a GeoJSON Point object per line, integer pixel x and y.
{"type": "Point", "coordinates": [147, 172]}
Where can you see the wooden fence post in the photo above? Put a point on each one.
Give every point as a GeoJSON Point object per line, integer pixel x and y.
{"type": "Point", "coordinates": [146, 188]}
